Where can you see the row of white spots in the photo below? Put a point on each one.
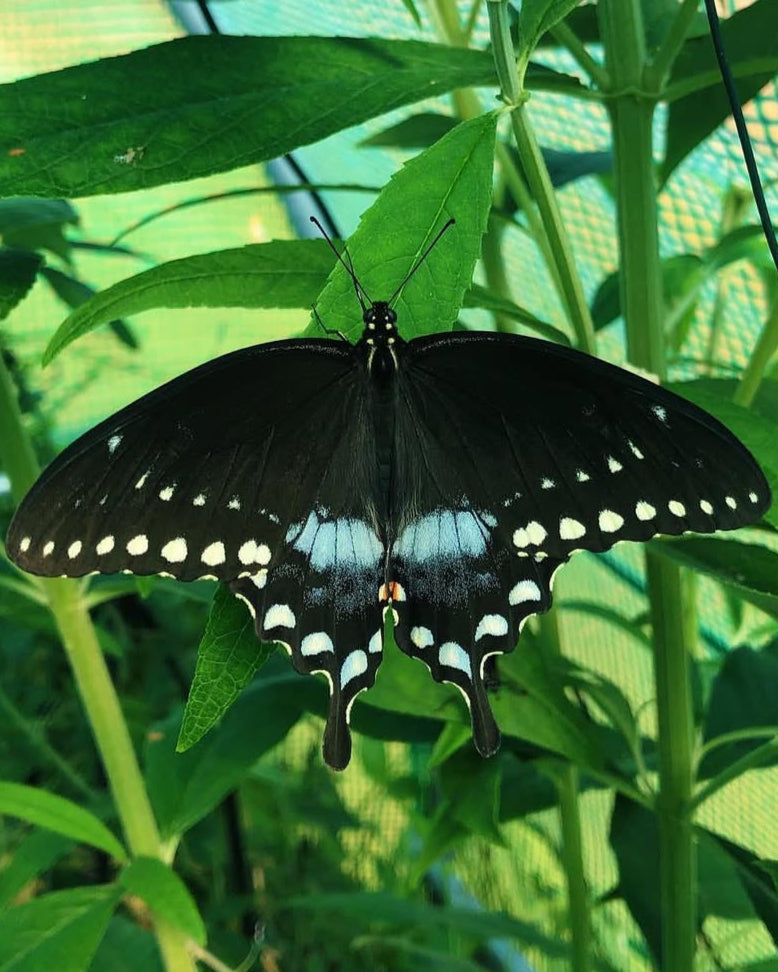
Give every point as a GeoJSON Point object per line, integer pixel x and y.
{"type": "Point", "coordinates": [175, 551]}
{"type": "Point", "coordinates": [452, 654]}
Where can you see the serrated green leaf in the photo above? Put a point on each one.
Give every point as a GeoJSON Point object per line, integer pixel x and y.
{"type": "Point", "coordinates": [165, 894]}
{"type": "Point", "coordinates": [58, 814]}
{"type": "Point", "coordinates": [453, 178]}
{"type": "Point", "coordinates": [18, 270]}
{"type": "Point", "coordinates": [699, 102]}
{"type": "Point", "coordinates": [58, 931]}
{"type": "Point", "coordinates": [208, 104]}
{"type": "Point", "coordinates": [285, 273]}
{"type": "Point", "coordinates": [227, 658]}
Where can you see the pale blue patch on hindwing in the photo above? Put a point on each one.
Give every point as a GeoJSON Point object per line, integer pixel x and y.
{"type": "Point", "coordinates": [446, 534]}
{"type": "Point", "coordinates": [343, 542]}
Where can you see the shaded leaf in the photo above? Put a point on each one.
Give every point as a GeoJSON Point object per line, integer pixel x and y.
{"type": "Point", "coordinates": [165, 894]}
{"type": "Point", "coordinates": [535, 17]}
{"type": "Point", "coordinates": [478, 296]}
{"type": "Point", "coordinates": [32, 856]}
{"type": "Point", "coordinates": [749, 39]}
{"type": "Point", "coordinates": [18, 270]}
{"type": "Point", "coordinates": [417, 131]}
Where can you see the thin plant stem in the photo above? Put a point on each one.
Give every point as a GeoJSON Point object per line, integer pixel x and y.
{"type": "Point", "coordinates": [760, 358]}
{"type": "Point", "coordinates": [569, 40]}
{"type": "Point", "coordinates": [658, 68]}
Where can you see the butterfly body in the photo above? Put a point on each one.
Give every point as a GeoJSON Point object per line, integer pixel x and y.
{"type": "Point", "coordinates": [442, 479]}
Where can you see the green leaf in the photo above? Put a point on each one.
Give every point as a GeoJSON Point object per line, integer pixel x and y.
{"type": "Point", "coordinates": [32, 856]}
{"type": "Point", "coordinates": [165, 894]}
{"type": "Point", "coordinates": [742, 697]}
{"type": "Point", "coordinates": [209, 104]}
{"type": "Point", "coordinates": [227, 658]}
{"type": "Point", "coordinates": [698, 99]}
{"type": "Point", "coordinates": [75, 292]}
{"type": "Point", "coordinates": [385, 908]}
{"type": "Point", "coordinates": [126, 947]}
{"type": "Point", "coordinates": [418, 131]}
{"type": "Point", "coordinates": [452, 178]}
{"type": "Point", "coordinates": [285, 273]}
{"type": "Point", "coordinates": [535, 17]}
{"type": "Point", "coordinates": [750, 570]}
{"type": "Point", "coordinates": [18, 270]}
{"type": "Point", "coordinates": [478, 296]}
{"type": "Point", "coordinates": [543, 714]}
{"type": "Point", "coordinates": [29, 212]}
{"type": "Point", "coordinates": [58, 931]}
{"type": "Point", "coordinates": [58, 814]}
{"type": "Point", "coordinates": [471, 788]}
{"type": "Point", "coordinates": [756, 882]}
{"type": "Point", "coordinates": [184, 787]}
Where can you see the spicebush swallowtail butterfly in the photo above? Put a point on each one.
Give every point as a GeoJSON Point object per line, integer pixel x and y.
{"type": "Point", "coordinates": [445, 478]}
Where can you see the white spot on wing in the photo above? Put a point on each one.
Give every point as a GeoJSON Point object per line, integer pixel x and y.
{"type": "Point", "coordinates": [234, 503]}
{"type": "Point", "coordinates": [753, 497]}
{"type": "Point", "coordinates": [316, 643]}
{"type": "Point", "coordinates": [731, 502]}
{"type": "Point", "coordinates": [105, 546]}
{"type": "Point", "coordinates": [614, 465]}
{"type": "Point", "coordinates": [644, 510]}
{"type": "Point", "coordinates": [706, 507]}
{"type": "Point", "coordinates": [354, 666]}
{"type": "Point", "coordinates": [113, 444]}
{"type": "Point", "coordinates": [375, 643]}
{"type": "Point", "coordinates": [214, 554]}
{"type": "Point", "coordinates": [167, 493]}
{"type": "Point", "coordinates": [252, 552]}
{"type": "Point", "coordinates": [453, 655]}
{"type": "Point", "coordinates": [142, 480]}
{"type": "Point", "coordinates": [175, 551]}
{"type": "Point", "coordinates": [581, 476]}
{"type": "Point", "coordinates": [48, 548]}
{"type": "Point", "coordinates": [547, 484]}
{"type": "Point", "coordinates": [74, 549]}
{"type": "Point", "coordinates": [199, 500]}
{"type": "Point", "coordinates": [526, 590]}
{"type": "Point", "coordinates": [279, 616]}
{"type": "Point", "coordinates": [661, 413]}
{"type": "Point", "coordinates": [422, 637]}
{"type": "Point", "coordinates": [249, 605]}
{"type": "Point", "coordinates": [491, 624]}
{"type": "Point", "coordinates": [138, 545]}
{"type": "Point", "coordinates": [570, 529]}
{"type": "Point", "coordinates": [635, 451]}
{"type": "Point", "coordinates": [610, 522]}
{"type": "Point", "coordinates": [676, 508]}
{"type": "Point", "coordinates": [24, 546]}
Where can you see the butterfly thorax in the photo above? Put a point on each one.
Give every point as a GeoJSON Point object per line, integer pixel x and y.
{"type": "Point", "coordinates": [380, 340]}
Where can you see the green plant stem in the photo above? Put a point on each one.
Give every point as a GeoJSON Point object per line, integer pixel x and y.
{"type": "Point", "coordinates": [760, 359]}
{"type": "Point", "coordinates": [658, 69]}
{"type": "Point", "coordinates": [568, 39]}
{"type": "Point", "coordinates": [91, 674]}
{"type": "Point", "coordinates": [567, 780]}
{"type": "Point", "coordinates": [673, 621]}
{"type": "Point", "coordinates": [562, 265]}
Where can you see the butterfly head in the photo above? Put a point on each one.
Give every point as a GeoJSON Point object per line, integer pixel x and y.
{"type": "Point", "coordinates": [380, 324]}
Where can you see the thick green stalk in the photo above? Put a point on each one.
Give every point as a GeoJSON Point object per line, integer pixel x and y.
{"type": "Point", "coordinates": [92, 678]}
{"type": "Point", "coordinates": [760, 358]}
{"type": "Point", "coordinates": [621, 29]}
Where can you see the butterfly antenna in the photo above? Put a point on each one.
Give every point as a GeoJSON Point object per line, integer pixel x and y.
{"type": "Point", "coordinates": [421, 260]}
{"type": "Point", "coordinates": [349, 267]}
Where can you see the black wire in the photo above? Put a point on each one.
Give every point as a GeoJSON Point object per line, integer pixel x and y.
{"type": "Point", "coordinates": [742, 129]}
{"type": "Point", "coordinates": [326, 216]}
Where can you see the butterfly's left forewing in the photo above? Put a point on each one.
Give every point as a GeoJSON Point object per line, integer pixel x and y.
{"type": "Point", "coordinates": [256, 469]}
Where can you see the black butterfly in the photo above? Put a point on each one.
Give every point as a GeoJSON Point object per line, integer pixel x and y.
{"type": "Point", "coordinates": [445, 478]}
